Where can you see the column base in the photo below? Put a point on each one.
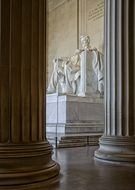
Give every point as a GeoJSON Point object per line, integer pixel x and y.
{"type": "Point", "coordinates": [116, 149]}
{"type": "Point", "coordinates": [27, 166]}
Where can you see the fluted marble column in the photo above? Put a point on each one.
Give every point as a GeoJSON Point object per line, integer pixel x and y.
{"type": "Point", "coordinates": [118, 141]}
{"type": "Point", "coordinates": [25, 154]}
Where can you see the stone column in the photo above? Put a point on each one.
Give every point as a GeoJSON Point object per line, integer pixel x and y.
{"type": "Point", "coordinates": [25, 154]}
{"type": "Point", "coordinates": [118, 141]}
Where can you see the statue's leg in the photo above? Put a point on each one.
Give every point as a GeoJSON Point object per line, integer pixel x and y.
{"type": "Point", "coordinates": [67, 71]}
{"type": "Point", "coordinates": [74, 86]}
{"type": "Point", "coordinates": [53, 82]}
{"type": "Point", "coordinates": [101, 87]}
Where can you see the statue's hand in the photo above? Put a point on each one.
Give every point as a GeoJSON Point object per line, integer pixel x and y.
{"type": "Point", "coordinates": [94, 49]}
{"type": "Point", "coordinates": [77, 75]}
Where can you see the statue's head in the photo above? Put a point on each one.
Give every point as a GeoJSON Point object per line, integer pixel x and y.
{"type": "Point", "coordinates": [85, 41]}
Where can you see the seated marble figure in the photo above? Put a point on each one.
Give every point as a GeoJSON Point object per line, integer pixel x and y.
{"type": "Point", "coordinates": [66, 75]}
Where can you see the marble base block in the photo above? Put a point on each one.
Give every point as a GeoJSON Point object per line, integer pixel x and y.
{"type": "Point", "coordinates": [68, 114]}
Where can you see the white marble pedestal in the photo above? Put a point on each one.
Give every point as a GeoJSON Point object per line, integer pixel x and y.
{"type": "Point", "coordinates": [73, 115]}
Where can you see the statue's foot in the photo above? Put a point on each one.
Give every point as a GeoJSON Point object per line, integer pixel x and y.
{"type": "Point", "coordinates": [50, 91]}
{"type": "Point", "coordinates": [81, 94]}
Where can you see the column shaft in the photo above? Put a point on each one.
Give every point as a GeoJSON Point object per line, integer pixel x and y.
{"type": "Point", "coordinates": [25, 154]}
{"type": "Point", "coordinates": [118, 141]}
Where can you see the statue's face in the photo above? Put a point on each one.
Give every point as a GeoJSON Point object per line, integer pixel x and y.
{"type": "Point", "coordinates": [85, 42]}
{"type": "Point", "coordinates": [60, 60]}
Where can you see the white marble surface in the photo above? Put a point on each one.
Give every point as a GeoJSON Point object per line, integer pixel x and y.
{"type": "Point", "coordinates": [88, 80]}
{"type": "Point", "coordinates": [55, 110]}
{"type": "Point", "coordinates": [75, 128]}
{"type": "Point", "coordinates": [80, 74]}
{"type": "Point", "coordinates": [72, 111]}
{"type": "Point", "coordinates": [73, 98]}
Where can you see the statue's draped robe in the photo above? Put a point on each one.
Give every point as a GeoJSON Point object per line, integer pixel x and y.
{"type": "Point", "coordinates": [66, 74]}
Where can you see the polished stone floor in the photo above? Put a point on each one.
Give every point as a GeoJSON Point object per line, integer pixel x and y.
{"type": "Point", "coordinates": [80, 171]}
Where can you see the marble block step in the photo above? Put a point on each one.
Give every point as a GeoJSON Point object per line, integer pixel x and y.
{"type": "Point", "coordinates": [81, 136]}
{"type": "Point", "coordinates": [71, 145]}
{"type": "Point", "coordinates": [75, 128]}
{"type": "Point", "coordinates": [85, 129]}
{"type": "Point", "coordinates": [72, 142]}
{"type": "Point", "coordinates": [75, 140]}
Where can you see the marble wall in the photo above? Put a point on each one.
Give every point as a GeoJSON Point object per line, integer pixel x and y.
{"type": "Point", "coordinates": [91, 21]}
{"type": "Point", "coordinates": [66, 21]}
{"type": "Point", "coordinates": [61, 30]}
